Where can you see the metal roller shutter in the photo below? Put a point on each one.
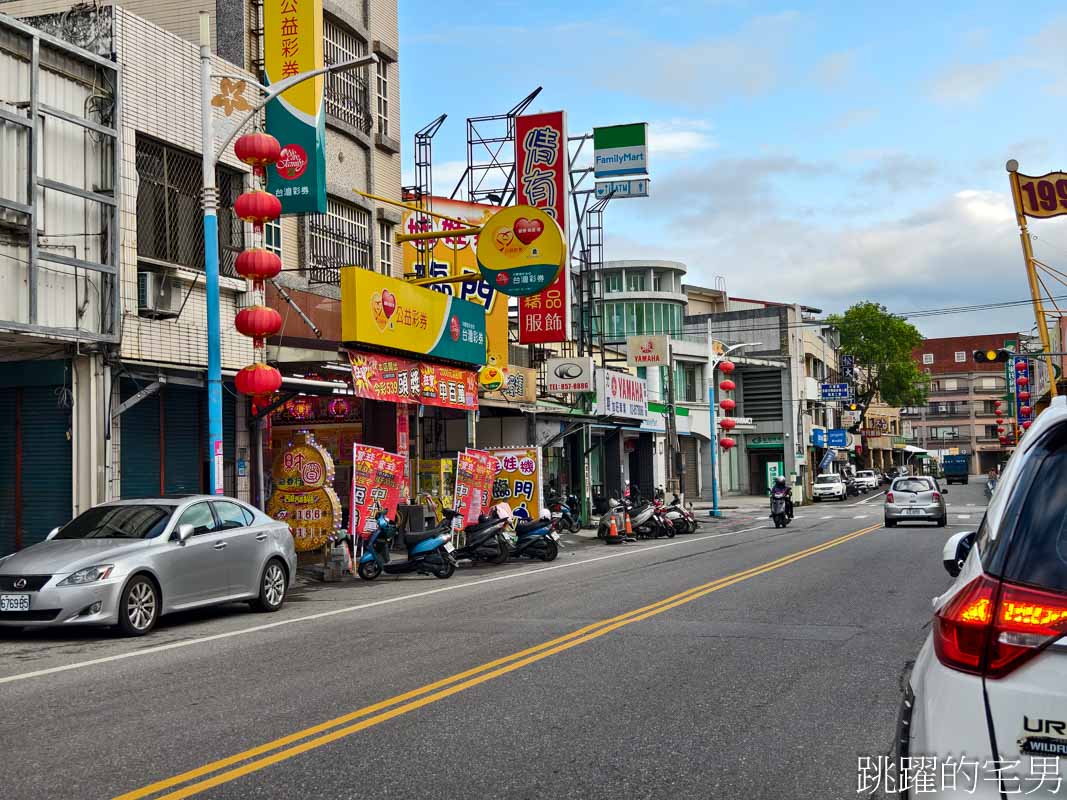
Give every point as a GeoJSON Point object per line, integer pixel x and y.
{"type": "Point", "coordinates": [692, 466]}
{"type": "Point", "coordinates": [140, 445]}
{"type": "Point", "coordinates": [181, 436]}
{"type": "Point", "coordinates": [47, 484]}
{"type": "Point", "coordinates": [8, 453]}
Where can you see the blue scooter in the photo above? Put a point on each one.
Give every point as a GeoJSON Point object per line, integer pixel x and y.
{"type": "Point", "coordinates": [429, 552]}
{"type": "Point", "coordinates": [536, 538]}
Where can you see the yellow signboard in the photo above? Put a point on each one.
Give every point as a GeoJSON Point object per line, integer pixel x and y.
{"type": "Point", "coordinates": [521, 250]}
{"type": "Point", "coordinates": [520, 386]}
{"type": "Point", "coordinates": [303, 493]}
{"type": "Point", "coordinates": [442, 257]}
{"type": "Point", "coordinates": [1043, 196]}
{"type": "Point", "coordinates": [518, 480]}
{"type": "Point", "coordinates": [387, 312]}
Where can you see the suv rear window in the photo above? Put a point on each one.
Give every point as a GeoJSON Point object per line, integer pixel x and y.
{"type": "Point", "coordinates": [913, 485]}
{"type": "Point", "coordinates": [1038, 550]}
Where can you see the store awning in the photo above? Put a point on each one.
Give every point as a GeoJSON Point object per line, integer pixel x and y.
{"type": "Point", "coordinates": [912, 449]}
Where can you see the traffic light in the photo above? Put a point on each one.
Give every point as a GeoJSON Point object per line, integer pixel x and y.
{"type": "Point", "coordinates": [991, 356]}
{"type": "Point", "coordinates": [853, 407]}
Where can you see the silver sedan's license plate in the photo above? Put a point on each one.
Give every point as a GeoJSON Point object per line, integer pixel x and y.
{"type": "Point", "coordinates": [14, 602]}
{"type": "Point", "coordinates": [914, 511]}
{"type": "Point", "coordinates": [449, 547]}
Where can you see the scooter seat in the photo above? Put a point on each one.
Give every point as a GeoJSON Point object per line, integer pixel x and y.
{"type": "Point", "coordinates": [530, 525]}
{"type": "Point", "coordinates": [481, 526]}
{"type": "Point", "coordinates": [412, 539]}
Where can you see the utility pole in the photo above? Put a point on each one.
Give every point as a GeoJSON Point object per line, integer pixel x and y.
{"type": "Point", "coordinates": [672, 422]}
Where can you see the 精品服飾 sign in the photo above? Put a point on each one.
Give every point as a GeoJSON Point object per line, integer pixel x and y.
{"type": "Point", "coordinates": [293, 44]}
{"type": "Point", "coordinates": [621, 395]}
{"type": "Point", "coordinates": [388, 312]}
{"type": "Point", "coordinates": [569, 375]}
{"type": "Point", "coordinates": [541, 181]}
{"type": "Point", "coordinates": [647, 351]}
{"type": "Point", "coordinates": [620, 150]}
{"type": "Point", "coordinates": [520, 250]}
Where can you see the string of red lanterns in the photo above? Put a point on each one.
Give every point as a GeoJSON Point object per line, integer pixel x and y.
{"type": "Point", "coordinates": [258, 321]}
{"type": "Point", "coordinates": [727, 404]}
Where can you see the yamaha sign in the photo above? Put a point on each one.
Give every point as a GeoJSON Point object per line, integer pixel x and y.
{"type": "Point", "coordinates": [569, 375]}
{"type": "Point", "coordinates": [622, 395]}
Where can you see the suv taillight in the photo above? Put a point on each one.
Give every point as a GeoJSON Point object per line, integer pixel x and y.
{"type": "Point", "coordinates": [889, 497]}
{"type": "Point", "coordinates": [991, 628]}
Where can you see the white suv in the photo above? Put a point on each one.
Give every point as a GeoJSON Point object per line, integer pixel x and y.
{"type": "Point", "coordinates": [828, 487]}
{"type": "Point", "coordinates": [988, 690]}
{"type": "Point", "coordinates": [868, 479]}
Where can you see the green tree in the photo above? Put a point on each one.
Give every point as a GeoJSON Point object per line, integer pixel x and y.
{"type": "Point", "coordinates": [881, 344]}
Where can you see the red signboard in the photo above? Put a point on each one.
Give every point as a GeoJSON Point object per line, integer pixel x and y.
{"type": "Point", "coordinates": [377, 477]}
{"type": "Point", "coordinates": [474, 479]}
{"type": "Point", "coordinates": [542, 172]}
{"type": "Point", "coordinates": [403, 380]}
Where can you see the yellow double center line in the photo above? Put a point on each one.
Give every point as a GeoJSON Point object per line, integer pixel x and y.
{"type": "Point", "coordinates": [294, 744]}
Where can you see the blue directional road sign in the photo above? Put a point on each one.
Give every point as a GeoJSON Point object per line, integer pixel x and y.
{"type": "Point", "coordinates": [834, 391]}
{"type": "Point", "coordinates": [826, 461]}
{"type": "Point", "coordinates": [837, 437]}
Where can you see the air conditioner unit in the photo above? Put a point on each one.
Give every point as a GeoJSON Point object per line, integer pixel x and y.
{"type": "Point", "coordinates": [155, 296]}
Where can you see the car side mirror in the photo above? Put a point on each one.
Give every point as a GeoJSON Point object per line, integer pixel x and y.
{"type": "Point", "coordinates": [955, 552]}
{"type": "Point", "coordinates": [183, 533]}
{"type": "Point", "coordinates": [51, 534]}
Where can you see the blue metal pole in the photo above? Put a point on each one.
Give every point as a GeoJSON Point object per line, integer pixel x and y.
{"type": "Point", "coordinates": [714, 446]}
{"type": "Point", "coordinates": [211, 264]}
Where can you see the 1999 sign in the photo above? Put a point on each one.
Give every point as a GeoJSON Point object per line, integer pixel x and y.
{"type": "Point", "coordinates": [1045, 196]}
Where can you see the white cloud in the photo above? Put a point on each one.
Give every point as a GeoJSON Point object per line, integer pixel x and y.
{"type": "Point", "coordinates": [968, 83]}
{"type": "Point", "coordinates": [679, 138]}
{"type": "Point", "coordinates": [853, 118]}
{"type": "Point", "coordinates": [835, 69]}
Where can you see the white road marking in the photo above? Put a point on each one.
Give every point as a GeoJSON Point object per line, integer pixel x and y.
{"type": "Point", "coordinates": [829, 516]}
{"type": "Point", "coordinates": [868, 499]}
{"type": "Point", "coordinates": [374, 604]}
{"type": "Point", "coordinates": [963, 516]}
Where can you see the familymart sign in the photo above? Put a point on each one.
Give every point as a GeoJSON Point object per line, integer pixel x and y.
{"type": "Point", "coordinates": [620, 150]}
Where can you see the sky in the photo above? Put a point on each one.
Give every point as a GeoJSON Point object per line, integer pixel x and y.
{"type": "Point", "coordinates": [820, 153]}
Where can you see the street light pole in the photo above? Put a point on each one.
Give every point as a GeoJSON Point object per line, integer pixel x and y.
{"type": "Point", "coordinates": [210, 157]}
{"type": "Point", "coordinates": [715, 361]}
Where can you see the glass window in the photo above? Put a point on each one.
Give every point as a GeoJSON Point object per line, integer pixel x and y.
{"type": "Point", "coordinates": [642, 372]}
{"type": "Point", "coordinates": [631, 319]}
{"type": "Point", "coordinates": [639, 318]}
{"type": "Point", "coordinates": [272, 236]}
{"type": "Point", "coordinates": [383, 97]}
{"type": "Point", "coordinates": [613, 282]}
{"type": "Point", "coordinates": [200, 517]}
{"type": "Point", "coordinates": [135, 521]}
{"type": "Point", "coordinates": [928, 358]}
{"type": "Point", "coordinates": [1038, 554]}
{"type": "Point", "coordinates": [961, 357]}
{"type": "Point", "coordinates": [231, 515]}
{"type": "Point", "coordinates": [635, 281]}
{"type": "Point", "coordinates": [385, 244]}
{"type": "Point", "coordinates": [657, 281]}
{"type": "Point", "coordinates": [339, 238]}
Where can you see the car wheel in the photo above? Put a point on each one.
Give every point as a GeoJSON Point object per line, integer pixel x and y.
{"type": "Point", "coordinates": [890, 523]}
{"type": "Point", "coordinates": [941, 523]}
{"type": "Point", "coordinates": [272, 587]}
{"type": "Point", "coordinates": [138, 606]}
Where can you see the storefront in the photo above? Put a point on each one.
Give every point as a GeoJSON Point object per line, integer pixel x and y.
{"type": "Point", "coordinates": [766, 460]}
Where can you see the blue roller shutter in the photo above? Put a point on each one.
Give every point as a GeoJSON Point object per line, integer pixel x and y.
{"type": "Point", "coordinates": [140, 445]}
{"type": "Point", "coordinates": [8, 452]}
{"type": "Point", "coordinates": [181, 426]}
{"type": "Point", "coordinates": [47, 483]}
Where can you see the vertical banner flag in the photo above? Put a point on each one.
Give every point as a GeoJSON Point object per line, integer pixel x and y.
{"type": "Point", "coordinates": [403, 445]}
{"type": "Point", "coordinates": [518, 480]}
{"type": "Point", "coordinates": [474, 479]}
{"type": "Point", "coordinates": [293, 44]}
{"type": "Point", "coordinates": [542, 175]}
{"type": "Point", "coordinates": [392, 471]}
{"type": "Point", "coordinates": [365, 461]}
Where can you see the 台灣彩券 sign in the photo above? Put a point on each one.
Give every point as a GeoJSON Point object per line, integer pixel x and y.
{"type": "Point", "coordinates": [437, 258]}
{"type": "Point", "coordinates": [387, 312]}
{"type": "Point", "coordinates": [521, 250]}
{"type": "Point", "coordinates": [518, 480]}
{"type": "Point", "coordinates": [376, 376]}
{"type": "Point", "coordinates": [620, 150]}
{"type": "Point", "coordinates": [293, 44]}
{"type": "Point", "coordinates": [541, 167]}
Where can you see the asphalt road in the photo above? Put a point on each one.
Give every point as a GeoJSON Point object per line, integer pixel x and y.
{"type": "Point", "coordinates": [778, 661]}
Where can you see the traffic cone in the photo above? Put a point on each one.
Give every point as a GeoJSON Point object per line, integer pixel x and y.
{"type": "Point", "coordinates": [613, 533]}
{"type": "Point", "coordinates": [629, 528]}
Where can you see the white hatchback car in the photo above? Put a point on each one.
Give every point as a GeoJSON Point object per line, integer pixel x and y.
{"type": "Point", "coordinates": [987, 694]}
{"type": "Point", "coordinates": [828, 487]}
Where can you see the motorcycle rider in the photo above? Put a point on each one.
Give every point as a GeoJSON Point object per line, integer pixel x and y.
{"type": "Point", "coordinates": [780, 489]}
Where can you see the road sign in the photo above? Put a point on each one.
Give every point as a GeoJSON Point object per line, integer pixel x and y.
{"type": "Point", "coordinates": [848, 364]}
{"type": "Point", "coordinates": [837, 437]}
{"type": "Point", "coordinates": [634, 187]}
{"type": "Point", "coordinates": [827, 459]}
{"type": "Point", "coordinates": [834, 391]}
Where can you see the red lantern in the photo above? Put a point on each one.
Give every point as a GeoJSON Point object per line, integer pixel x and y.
{"type": "Point", "coordinates": [727, 404]}
{"type": "Point", "coordinates": [726, 443]}
{"type": "Point", "coordinates": [257, 150]}
{"type": "Point", "coordinates": [1022, 380]}
{"type": "Point", "coordinates": [1003, 439]}
{"type": "Point", "coordinates": [1027, 424]}
{"type": "Point", "coordinates": [257, 207]}
{"type": "Point", "coordinates": [726, 366]}
{"type": "Point", "coordinates": [258, 380]}
{"type": "Point", "coordinates": [997, 403]}
{"type": "Point", "coordinates": [1000, 420]}
{"type": "Point", "coordinates": [727, 423]}
{"type": "Point", "coordinates": [258, 322]}
{"type": "Point", "coordinates": [1024, 396]}
{"type": "Point", "coordinates": [1020, 366]}
{"type": "Point", "coordinates": [258, 265]}
{"type": "Point", "coordinates": [1000, 429]}
{"type": "Point", "coordinates": [727, 385]}
{"type": "Point", "coordinates": [1025, 410]}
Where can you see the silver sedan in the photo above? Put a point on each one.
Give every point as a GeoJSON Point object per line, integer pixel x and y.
{"type": "Point", "coordinates": [129, 562]}
{"type": "Point", "coordinates": [915, 499]}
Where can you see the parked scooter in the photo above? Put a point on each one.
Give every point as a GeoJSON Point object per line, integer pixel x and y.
{"type": "Point", "coordinates": [429, 552]}
{"type": "Point", "coordinates": [485, 540]}
{"type": "Point", "coordinates": [565, 513]}
{"type": "Point", "coordinates": [644, 522]}
{"type": "Point", "coordinates": [535, 538]}
{"type": "Point", "coordinates": [681, 518]}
